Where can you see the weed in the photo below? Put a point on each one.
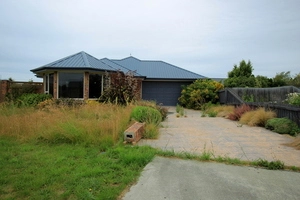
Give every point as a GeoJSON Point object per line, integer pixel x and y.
{"type": "Point", "coordinates": [179, 111]}
{"type": "Point", "coordinates": [212, 114]}
{"type": "Point", "coordinates": [151, 131]}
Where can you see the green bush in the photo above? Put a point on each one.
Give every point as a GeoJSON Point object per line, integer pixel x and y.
{"type": "Point", "coordinates": [282, 126]}
{"type": "Point", "coordinates": [32, 99]}
{"type": "Point", "coordinates": [200, 92]}
{"type": "Point", "coordinates": [146, 114]}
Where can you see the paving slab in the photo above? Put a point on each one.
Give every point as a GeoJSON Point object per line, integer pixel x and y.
{"type": "Point", "coordinates": [175, 179]}
{"type": "Point", "coordinates": [222, 137]}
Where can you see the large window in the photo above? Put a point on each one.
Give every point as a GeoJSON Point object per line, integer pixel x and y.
{"type": "Point", "coordinates": [49, 84]}
{"type": "Point", "coordinates": [95, 85]}
{"type": "Point", "coordinates": [70, 85]}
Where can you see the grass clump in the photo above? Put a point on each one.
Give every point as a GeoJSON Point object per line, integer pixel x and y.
{"type": "Point", "coordinates": [273, 165]}
{"type": "Point", "coordinates": [151, 131]}
{"type": "Point", "coordinates": [258, 117]}
{"type": "Point", "coordinates": [282, 126]}
{"type": "Point", "coordinates": [146, 114]}
{"type": "Point", "coordinates": [179, 111]}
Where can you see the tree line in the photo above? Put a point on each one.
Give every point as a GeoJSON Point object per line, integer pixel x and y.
{"type": "Point", "coordinates": [242, 76]}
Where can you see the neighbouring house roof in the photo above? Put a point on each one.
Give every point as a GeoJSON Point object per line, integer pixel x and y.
{"type": "Point", "coordinates": [142, 68]}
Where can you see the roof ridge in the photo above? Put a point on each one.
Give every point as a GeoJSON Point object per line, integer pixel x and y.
{"type": "Point", "coordinates": [85, 59]}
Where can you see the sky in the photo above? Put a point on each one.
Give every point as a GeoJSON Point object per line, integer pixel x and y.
{"type": "Point", "coordinates": [205, 37]}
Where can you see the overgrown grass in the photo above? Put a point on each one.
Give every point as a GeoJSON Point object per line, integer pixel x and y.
{"type": "Point", "coordinates": [90, 124]}
{"type": "Point", "coordinates": [258, 117]}
{"type": "Point", "coordinates": [66, 171]}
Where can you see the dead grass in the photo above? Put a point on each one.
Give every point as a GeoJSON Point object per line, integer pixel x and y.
{"type": "Point", "coordinates": [295, 144]}
{"type": "Point", "coordinates": [223, 111]}
{"type": "Point", "coordinates": [257, 117]}
{"type": "Point", "coordinates": [90, 123]}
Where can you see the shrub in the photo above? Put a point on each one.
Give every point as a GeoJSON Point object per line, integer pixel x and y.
{"type": "Point", "coordinates": [32, 99]}
{"type": "Point", "coordinates": [179, 110]}
{"type": "Point", "coordinates": [163, 110]}
{"type": "Point", "coordinates": [257, 117]}
{"type": "Point", "coordinates": [238, 112]}
{"type": "Point", "coordinates": [120, 88]}
{"type": "Point", "coordinates": [282, 126]}
{"type": "Point", "coordinates": [146, 114]}
{"type": "Point", "coordinates": [293, 99]}
{"type": "Point", "coordinates": [200, 92]}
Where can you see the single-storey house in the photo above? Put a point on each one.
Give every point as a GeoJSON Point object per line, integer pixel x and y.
{"type": "Point", "coordinates": [81, 76]}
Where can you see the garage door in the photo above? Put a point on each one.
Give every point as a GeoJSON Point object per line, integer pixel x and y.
{"type": "Point", "coordinates": [166, 93]}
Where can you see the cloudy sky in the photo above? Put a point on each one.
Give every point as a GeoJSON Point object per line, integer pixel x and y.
{"type": "Point", "coordinates": [206, 37]}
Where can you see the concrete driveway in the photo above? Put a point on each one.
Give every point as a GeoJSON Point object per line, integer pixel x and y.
{"type": "Point", "coordinates": [176, 179]}
{"type": "Point", "coordinates": [222, 137]}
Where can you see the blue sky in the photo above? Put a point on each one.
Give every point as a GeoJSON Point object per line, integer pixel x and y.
{"type": "Point", "coordinates": [206, 37]}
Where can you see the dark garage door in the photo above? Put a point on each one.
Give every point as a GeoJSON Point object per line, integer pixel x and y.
{"type": "Point", "coordinates": [166, 93]}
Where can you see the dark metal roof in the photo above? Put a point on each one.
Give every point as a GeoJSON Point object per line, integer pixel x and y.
{"type": "Point", "coordinates": [141, 68]}
{"type": "Point", "coordinates": [79, 60]}
{"type": "Point", "coordinates": [156, 69]}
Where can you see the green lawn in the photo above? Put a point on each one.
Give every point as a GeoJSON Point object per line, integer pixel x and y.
{"type": "Point", "coordinates": [67, 171]}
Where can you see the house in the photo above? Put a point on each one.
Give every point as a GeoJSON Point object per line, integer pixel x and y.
{"type": "Point", "coordinates": [81, 76]}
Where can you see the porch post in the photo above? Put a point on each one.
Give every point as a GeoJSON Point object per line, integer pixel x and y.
{"type": "Point", "coordinates": [55, 82]}
{"type": "Point", "coordinates": [86, 84]}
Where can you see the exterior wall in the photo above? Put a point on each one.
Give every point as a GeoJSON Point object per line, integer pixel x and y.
{"type": "Point", "coordinates": [4, 89]}
{"type": "Point", "coordinates": [7, 87]}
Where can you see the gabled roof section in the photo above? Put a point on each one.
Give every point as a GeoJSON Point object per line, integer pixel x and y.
{"type": "Point", "coordinates": [156, 69]}
{"type": "Point", "coordinates": [79, 60]}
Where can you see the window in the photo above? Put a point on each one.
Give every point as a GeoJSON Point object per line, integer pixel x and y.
{"type": "Point", "coordinates": [70, 85]}
{"type": "Point", "coordinates": [95, 85]}
{"type": "Point", "coordinates": [49, 84]}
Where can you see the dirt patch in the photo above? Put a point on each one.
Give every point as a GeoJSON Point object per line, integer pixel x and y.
{"type": "Point", "coordinates": [295, 144]}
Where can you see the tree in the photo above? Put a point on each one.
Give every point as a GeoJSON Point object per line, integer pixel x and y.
{"type": "Point", "coordinates": [263, 82]}
{"type": "Point", "coordinates": [296, 80]}
{"type": "Point", "coordinates": [241, 76]}
{"type": "Point", "coordinates": [282, 79]}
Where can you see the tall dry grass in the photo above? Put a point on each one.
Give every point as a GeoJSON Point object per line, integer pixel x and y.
{"type": "Point", "coordinates": [223, 111]}
{"type": "Point", "coordinates": [258, 117]}
{"type": "Point", "coordinates": [91, 123]}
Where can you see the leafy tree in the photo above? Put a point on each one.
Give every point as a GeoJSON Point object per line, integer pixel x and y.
{"type": "Point", "coordinates": [296, 80]}
{"type": "Point", "coordinates": [120, 88]}
{"type": "Point", "coordinates": [282, 79]}
{"type": "Point", "coordinates": [263, 82]}
{"type": "Point", "coordinates": [241, 76]}
{"type": "Point", "coordinates": [200, 92]}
